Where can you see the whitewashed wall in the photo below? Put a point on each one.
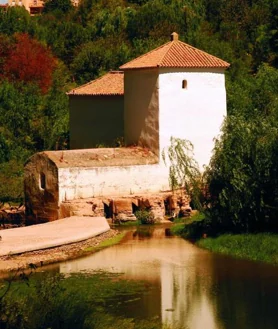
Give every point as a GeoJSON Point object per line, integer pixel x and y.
{"type": "Point", "coordinates": [195, 113]}
{"type": "Point", "coordinates": [83, 182]}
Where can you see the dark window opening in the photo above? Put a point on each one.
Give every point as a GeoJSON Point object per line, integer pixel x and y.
{"type": "Point", "coordinates": [184, 84]}
{"type": "Point", "coordinates": [108, 213]}
{"type": "Point", "coordinates": [42, 181]}
{"type": "Point", "coordinates": [134, 208]}
{"type": "Point", "coordinates": [168, 211]}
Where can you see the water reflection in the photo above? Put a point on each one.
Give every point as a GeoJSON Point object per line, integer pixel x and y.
{"type": "Point", "coordinates": [190, 287]}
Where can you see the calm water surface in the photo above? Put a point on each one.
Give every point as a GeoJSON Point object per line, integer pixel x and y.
{"type": "Point", "coordinates": [190, 287]}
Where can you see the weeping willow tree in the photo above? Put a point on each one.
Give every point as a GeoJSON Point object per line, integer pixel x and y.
{"type": "Point", "coordinates": [184, 170]}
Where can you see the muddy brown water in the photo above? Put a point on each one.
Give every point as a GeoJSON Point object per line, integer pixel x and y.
{"type": "Point", "coordinates": [190, 287]}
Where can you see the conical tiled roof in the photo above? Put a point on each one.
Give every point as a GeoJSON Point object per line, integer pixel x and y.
{"type": "Point", "coordinates": [111, 83]}
{"type": "Point", "coordinates": [175, 54]}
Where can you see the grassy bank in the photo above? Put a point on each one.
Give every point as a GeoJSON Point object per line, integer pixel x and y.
{"type": "Point", "coordinates": [107, 243]}
{"type": "Point", "coordinates": [259, 247]}
{"type": "Point", "coordinates": [188, 228]}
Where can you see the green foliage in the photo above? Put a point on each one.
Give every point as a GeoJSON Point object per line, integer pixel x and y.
{"type": "Point", "coordinates": [25, 118]}
{"type": "Point", "coordinates": [178, 228]}
{"type": "Point", "coordinates": [79, 301]}
{"type": "Point", "coordinates": [168, 17]}
{"type": "Point", "coordinates": [258, 247]}
{"type": "Point", "coordinates": [193, 228]}
{"type": "Point", "coordinates": [251, 96]}
{"type": "Point", "coordinates": [31, 121]}
{"type": "Point", "coordinates": [184, 170]}
{"type": "Point", "coordinates": [242, 178]}
{"type": "Point", "coordinates": [108, 243]}
{"type": "Point", "coordinates": [145, 216]}
{"type": "Point", "coordinates": [14, 20]}
{"type": "Point", "coordinates": [18, 113]}
{"type": "Point", "coordinates": [4, 149]}
{"type": "Point", "coordinates": [61, 6]}
{"type": "Point", "coordinates": [91, 61]}
{"type": "Point", "coordinates": [54, 128]}
{"type": "Point", "coordinates": [11, 178]}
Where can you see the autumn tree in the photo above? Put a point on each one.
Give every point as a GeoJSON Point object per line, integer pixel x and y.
{"type": "Point", "coordinates": [30, 62]}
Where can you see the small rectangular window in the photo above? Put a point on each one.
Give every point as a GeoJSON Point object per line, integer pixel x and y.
{"type": "Point", "coordinates": [42, 181]}
{"type": "Point", "coordinates": [184, 84]}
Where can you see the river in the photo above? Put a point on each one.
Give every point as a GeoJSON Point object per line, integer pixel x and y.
{"type": "Point", "coordinates": [190, 287]}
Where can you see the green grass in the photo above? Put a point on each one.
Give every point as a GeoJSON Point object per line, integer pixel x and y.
{"type": "Point", "coordinates": [188, 220]}
{"type": "Point", "coordinates": [258, 247]}
{"type": "Point", "coordinates": [107, 243]}
{"type": "Point", "coordinates": [180, 224]}
{"type": "Point", "coordinates": [177, 228]}
{"type": "Point", "coordinates": [261, 247]}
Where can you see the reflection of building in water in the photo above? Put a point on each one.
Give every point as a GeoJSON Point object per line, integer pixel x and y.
{"type": "Point", "coordinates": [185, 299]}
{"type": "Point", "coordinates": [179, 274]}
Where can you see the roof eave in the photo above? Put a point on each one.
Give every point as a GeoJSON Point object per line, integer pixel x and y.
{"type": "Point", "coordinates": [73, 94]}
{"type": "Point", "coordinates": [176, 67]}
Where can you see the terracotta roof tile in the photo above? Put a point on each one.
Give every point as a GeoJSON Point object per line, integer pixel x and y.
{"type": "Point", "coordinates": [176, 54]}
{"type": "Point", "coordinates": [111, 83]}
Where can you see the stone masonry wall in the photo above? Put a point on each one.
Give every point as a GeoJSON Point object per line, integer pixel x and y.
{"type": "Point", "coordinates": [164, 204]}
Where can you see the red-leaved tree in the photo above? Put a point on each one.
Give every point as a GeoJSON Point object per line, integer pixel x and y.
{"type": "Point", "coordinates": [29, 61]}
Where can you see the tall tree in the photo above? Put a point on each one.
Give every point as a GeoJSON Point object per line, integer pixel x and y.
{"type": "Point", "coordinates": [30, 62]}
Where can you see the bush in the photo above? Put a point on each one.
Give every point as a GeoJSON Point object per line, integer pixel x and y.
{"type": "Point", "coordinates": [145, 216]}
{"type": "Point", "coordinates": [243, 177]}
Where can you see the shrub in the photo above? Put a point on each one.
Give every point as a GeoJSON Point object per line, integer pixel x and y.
{"type": "Point", "coordinates": [145, 216]}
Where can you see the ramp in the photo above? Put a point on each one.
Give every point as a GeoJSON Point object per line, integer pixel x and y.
{"type": "Point", "coordinates": [42, 236]}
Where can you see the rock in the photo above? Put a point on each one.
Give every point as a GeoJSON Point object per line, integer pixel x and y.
{"type": "Point", "coordinates": [97, 207]}
{"type": "Point", "coordinates": [92, 207]}
{"type": "Point", "coordinates": [155, 204]}
{"type": "Point", "coordinates": [172, 206]}
{"type": "Point", "coordinates": [122, 209]}
{"type": "Point", "coordinates": [185, 209]}
{"type": "Point", "coordinates": [125, 218]}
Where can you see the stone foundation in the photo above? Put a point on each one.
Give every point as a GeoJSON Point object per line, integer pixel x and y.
{"type": "Point", "coordinates": [162, 205]}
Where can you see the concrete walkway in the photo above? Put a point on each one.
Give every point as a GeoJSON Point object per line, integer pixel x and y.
{"type": "Point", "coordinates": [52, 234]}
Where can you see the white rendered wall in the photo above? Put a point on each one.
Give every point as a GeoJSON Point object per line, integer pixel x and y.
{"type": "Point", "coordinates": [195, 113]}
{"type": "Point", "coordinates": [83, 182]}
{"type": "Point", "coordinates": [141, 108]}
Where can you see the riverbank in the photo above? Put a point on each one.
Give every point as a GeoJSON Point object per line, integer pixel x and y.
{"type": "Point", "coordinates": [261, 247]}
{"type": "Point", "coordinates": [58, 254]}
